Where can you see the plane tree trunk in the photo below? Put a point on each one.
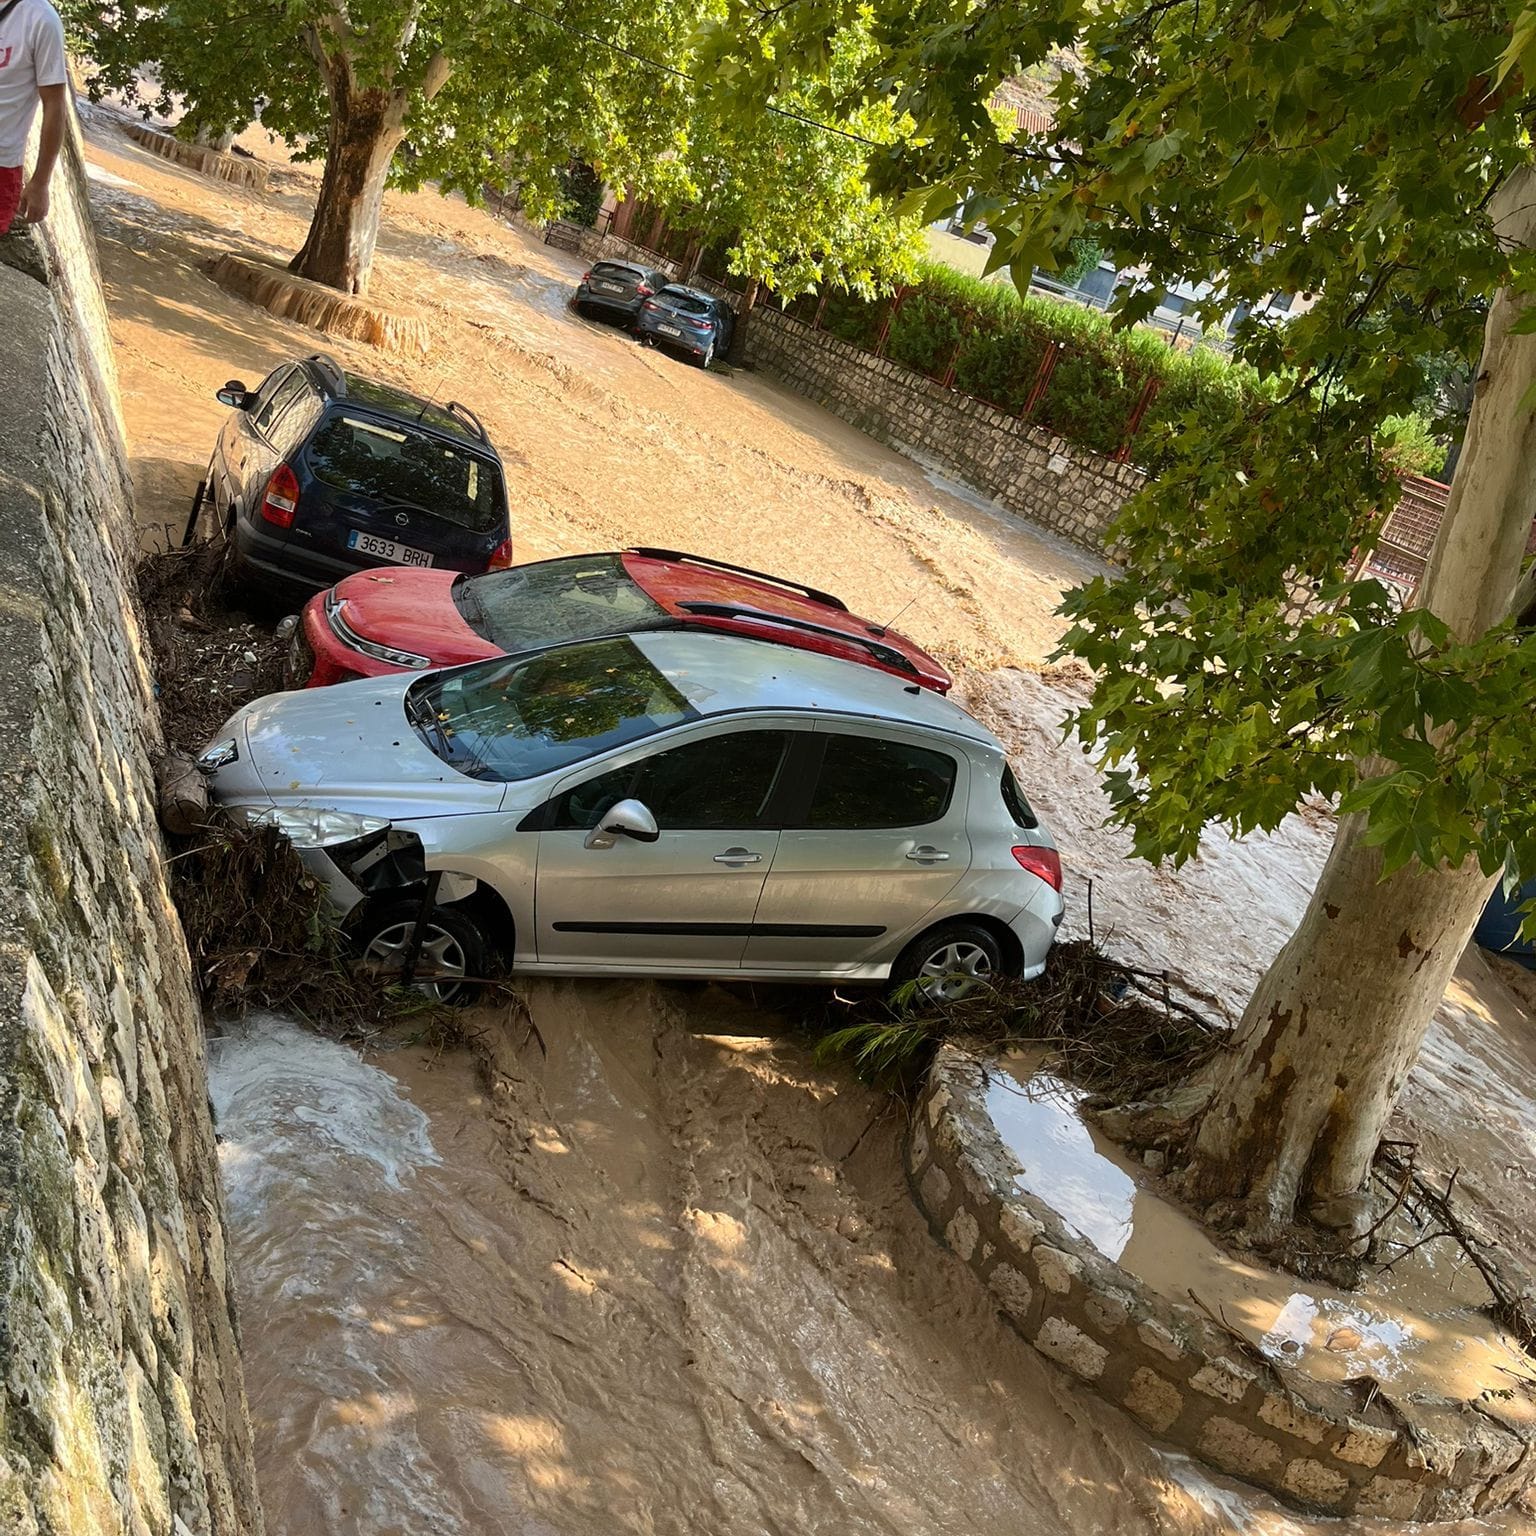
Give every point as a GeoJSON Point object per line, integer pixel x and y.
{"type": "Point", "coordinates": [366, 128]}
{"type": "Point", "coordinates": [1328, 1038]}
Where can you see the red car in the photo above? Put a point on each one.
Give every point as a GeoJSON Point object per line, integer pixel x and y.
{"type": "Point", "coordinates": [399, 619]}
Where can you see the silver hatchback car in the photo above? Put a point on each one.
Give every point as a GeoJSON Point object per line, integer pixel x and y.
{"type": "Point", "coordinates": [665, 804]}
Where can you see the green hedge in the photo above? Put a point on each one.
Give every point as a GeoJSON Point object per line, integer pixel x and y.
{"type": "Point", "coordinates": [996, 340]}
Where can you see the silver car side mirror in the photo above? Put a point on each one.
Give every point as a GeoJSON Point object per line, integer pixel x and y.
{"type": "Point", "coordinates": [624, 818]}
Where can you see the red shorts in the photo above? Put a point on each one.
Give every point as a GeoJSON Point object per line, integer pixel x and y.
{"type": "Point", "coordinates": [10, 194]}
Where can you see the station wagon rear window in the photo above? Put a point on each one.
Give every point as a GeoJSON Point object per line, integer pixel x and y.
{"type": "Point", "coordinates": [390, 464]}
{"type": "Point", "coordinates": [516, 719]}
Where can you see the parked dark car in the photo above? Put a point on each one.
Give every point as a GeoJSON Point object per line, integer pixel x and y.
{"type": "Point", "coordinates": [320, 473]}
{"type": "Point", "coordinates": [689, 320]}
{"type": "Point", "coordinates": [617, 289]}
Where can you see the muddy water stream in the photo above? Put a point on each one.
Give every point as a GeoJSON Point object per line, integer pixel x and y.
{"type": "Point", "coordinates": [641, 1268]}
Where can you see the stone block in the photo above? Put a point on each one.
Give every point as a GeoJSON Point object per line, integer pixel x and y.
{"type": "Point", "coordinates": [1223, 1379]}
{"type": "Point", "coordinates": [1057, 1270]}
{"type": "Point", "coordinates": [978, 1188]}
{"type": "Point", "coordinates": [938, 1102]}
{"type": "Point", "coordinates": [1153, 1399]}
{"type": "Point", "coordinates": [1012, 1288]}
{"type": "Point", "coordinates": [1019, 1227]}
{"type": "Point", "coordinates": [1312, 1481]}
{"type": "Point", "coordinates": [1280, 1413]}
{"type": "Point", "coordinates": [918, 1146]}
{"type": "Point", "coordinates": [1363, 1445]}
{"type": "Point", "coordinates": [1108, 1311]}
{"type": "Point", "coordinates": [1068, 1345]}
{"type": "Point", "coordinates": [147, 1457]}
{"type": "Point", "coordinates": [1391, 1497]}
{"type": "Point", "coordinates": [961, 1234]}
{"type": "Point", "coordinates": [1238, 1450]}
{"type": "Point", "coordinates": [1159, 1339]}
{"type": "Point", "coordinates": [934, 1190]}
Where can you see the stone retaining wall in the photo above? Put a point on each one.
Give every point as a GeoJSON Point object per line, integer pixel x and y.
{"type": "Point", "coordinates": [1030, 472]}
{"type": "Point", "coordinates": [1171, 1368]}
{"type": "Point", "coordinates": [237, 169]}
{"type": "Point", "coordinates": [122, 1407]}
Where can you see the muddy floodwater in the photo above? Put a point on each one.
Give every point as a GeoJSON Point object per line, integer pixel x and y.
{"type": "Point", "coordinates": [1417, 1325]}
{"type": "Point", "coordinates": [640, 1267]}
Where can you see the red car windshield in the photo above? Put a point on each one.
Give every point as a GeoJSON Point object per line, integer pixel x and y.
{"type": "Point", "coordinates": [575, 599]}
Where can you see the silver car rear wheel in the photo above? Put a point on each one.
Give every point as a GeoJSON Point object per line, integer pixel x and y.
{"type": "Point", "coordinates": [955, 960]}
{"type": "Point", "coordinates": [954, 971]}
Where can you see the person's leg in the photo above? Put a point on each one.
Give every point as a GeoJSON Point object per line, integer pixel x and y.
{"type": "Point", "coordinates": [10, 195]}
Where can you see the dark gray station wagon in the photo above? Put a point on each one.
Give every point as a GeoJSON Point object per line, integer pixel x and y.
{"type": "Point", "coordinates": [320, 473]}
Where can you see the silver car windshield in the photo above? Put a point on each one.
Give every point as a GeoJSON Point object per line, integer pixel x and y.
{"type": "Point", "coordinates": [553, 600]}
{"type": "Point", "coordinates": [517, 719]}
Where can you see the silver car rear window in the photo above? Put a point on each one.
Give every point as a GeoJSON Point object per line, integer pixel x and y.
{"type": "Point", "coordinates": [519, 718]}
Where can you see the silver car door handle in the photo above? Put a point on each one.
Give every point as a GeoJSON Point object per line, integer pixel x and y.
{"type": "Point", "coordinates": [927, 855]}
{"type": "Point", "coordinates": [738, 856]}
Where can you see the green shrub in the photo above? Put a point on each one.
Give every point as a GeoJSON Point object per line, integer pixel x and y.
{"type": "Point", "coordinates": [998, 341]}
{"type": "Point", "coordinates": [852, 318]}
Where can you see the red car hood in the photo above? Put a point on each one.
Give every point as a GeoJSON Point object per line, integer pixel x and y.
{"type": "Point", "coordinates": [413, 611]}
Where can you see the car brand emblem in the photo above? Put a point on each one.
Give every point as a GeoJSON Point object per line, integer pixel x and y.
{"type": "Point", "coordinates": [401, 519]}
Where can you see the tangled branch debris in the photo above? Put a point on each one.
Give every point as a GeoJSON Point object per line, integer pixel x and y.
{"type": "Point", "coordinates": [259, 928]}
{"type": "Point", "coordinates": [1106, 1027]}
{"type": "Point", "coordinates": [1513, 1290]}
{"type": "Point", "coordinates": [209, 659]}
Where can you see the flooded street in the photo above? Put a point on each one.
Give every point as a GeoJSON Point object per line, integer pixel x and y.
{"type": "Point", "coordinates": [657, 1280]}
{"type": "Point", "coordinates": [636, 1265]}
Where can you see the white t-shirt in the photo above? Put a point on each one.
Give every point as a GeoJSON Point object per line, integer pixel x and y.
{"type": "Point", "coordinates": [31, 56]}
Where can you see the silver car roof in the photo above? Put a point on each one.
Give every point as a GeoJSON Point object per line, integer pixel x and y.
{"type": "Point", "coordinates": [719, 674]}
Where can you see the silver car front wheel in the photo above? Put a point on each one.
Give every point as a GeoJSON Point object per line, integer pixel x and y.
{"type": "Point", "coordinates": [451, 947]}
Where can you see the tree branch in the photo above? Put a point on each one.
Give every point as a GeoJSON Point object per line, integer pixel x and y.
{"type": "Point", "coordinates": [439, 68]}
{"type": "Point", "coordinates": [1521, 604]}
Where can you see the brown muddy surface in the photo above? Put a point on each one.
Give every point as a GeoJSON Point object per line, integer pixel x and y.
{"type": "Point", "coordinates": [660, 1279]}
{"type": "Point", "coordinates": [606, 443]}
{"type": "Point", "coordinates": [656, 1276]}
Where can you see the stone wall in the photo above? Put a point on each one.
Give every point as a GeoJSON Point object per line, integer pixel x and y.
{"type": "Point", "coordinates": [1168, 1365]}
{"type": "Point", "coordinates": [122, 1407]}
{"type": "Point", "coordinates": [1033, 473]}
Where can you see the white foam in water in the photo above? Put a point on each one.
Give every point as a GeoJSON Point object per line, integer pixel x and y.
{"type": "Point", "coordinates": [278, 1088]}
{"type": "Point", "coordinates": [1230, 1508]}
{"type": "Point", "coordinates": [106, 178]}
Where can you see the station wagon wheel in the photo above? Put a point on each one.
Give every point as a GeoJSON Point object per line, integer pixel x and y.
{"type": "Point", "coordinates": [708, 355]}
{"type": "Point", "coordinates": [950, 962]}
{"type": "Point", "coordinates": [452, 946]}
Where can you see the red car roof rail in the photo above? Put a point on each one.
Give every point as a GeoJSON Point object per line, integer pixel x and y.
{"type": "Point", "coordinates": [887, 655]}
{"type": "Point", "coordinates": [826, 599]}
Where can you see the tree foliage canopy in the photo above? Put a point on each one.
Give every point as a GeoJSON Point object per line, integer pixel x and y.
{"type": "Point", "coordinates": [513, 92]}
{"type": "Point", "coordinates": [1346, 152]}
